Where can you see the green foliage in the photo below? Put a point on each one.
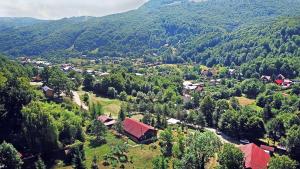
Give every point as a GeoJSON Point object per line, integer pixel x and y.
{"type": "Point", "coordinates": [9, 157]}
{"type": "Point", "coordinates": [15, 92]}
{"type": "Point", "coordinates": [252, 87]}
{"type": "Point", "coordinates": [223, 32]}
{"type": "Point", "coordinates": [165, 142]}
{"type": "Point", "coordinates": [201, 147]}
{"type": "Point", "coordinates": [231, 157]}
{"type": "Point", "coordinates": [160, 162]}
{"type": "Point", "coordinates": [282, 162]}
{"type": "Point", "coordinates": [50, 124]}
{"type": "Point", "coordinates": [59, 81]}
{"type": "Point", "coordinates": [292, 141]}
{"type": "Point", "coordinates": [207, 107]}
{"type": "Point", "coordinates": [275, 129]}
{"type": "Point", "coordinates": [77, 160]}
{"type": "Point", "coordinates": [98, 130]}
{"type": "Point", "coordinates": [39, 164]}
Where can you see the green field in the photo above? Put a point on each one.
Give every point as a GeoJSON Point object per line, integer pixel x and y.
{"type": "Point", "coordinates": [141, 155]}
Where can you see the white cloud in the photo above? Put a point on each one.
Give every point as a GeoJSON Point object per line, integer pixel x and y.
{"type": "Point", "coordinates": [55, 9]}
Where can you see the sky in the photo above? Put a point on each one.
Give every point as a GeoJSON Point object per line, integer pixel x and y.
{"type": "Point", "coordinates": [57, 9]}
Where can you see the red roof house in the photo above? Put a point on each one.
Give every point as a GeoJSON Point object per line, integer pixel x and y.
{"type": "Point", "coordinates": [138, 131]}
{"type": "Point", "coordinates": [255, 157]}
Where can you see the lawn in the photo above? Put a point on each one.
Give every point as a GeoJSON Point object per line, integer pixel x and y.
{"type": "Point", "coordinates": [110, 106]}
{"type": "Point", "coordinates": [245, 101]}
{"type": "Point", "coordinates": [141, 155]}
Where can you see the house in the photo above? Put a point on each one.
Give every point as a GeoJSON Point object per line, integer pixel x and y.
{"type": "Point", "coordinates": [265, 78]}
{"type": "Point", "coordinates": [106, 120]}
{"type": "Point", "coordinates": [287, 83]}
{"type": "Point", "coordinates": [48, 91]}
{"type": "Point", "coordinates": [189, 87]}
{"type": "Point", "coordinates": [231, 72]}
{"type": "Point", "coordinates": [37, 78]}
{"type": "Point", "coordinates": [138, 131]}
{"type": "Point", "coordinates": [255, 157]}
{"type": "Point", "coordinates": [280, 76]}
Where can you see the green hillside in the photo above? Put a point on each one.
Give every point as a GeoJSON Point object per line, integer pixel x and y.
{"type": "Point", "coordinates": [209, 32]}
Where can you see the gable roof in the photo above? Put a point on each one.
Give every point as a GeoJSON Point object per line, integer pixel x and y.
{"type": "Point", "coordinates": [136, 128]}
{"type": "Point", "coordinates": [104, 118]}
{"type": "Point", "coordinates": [255, 157]}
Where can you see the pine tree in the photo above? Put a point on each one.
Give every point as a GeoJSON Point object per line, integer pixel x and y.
{"type": "Point", "coordinates": [77, 160]}
{"type": "Point", "coordinates": [122, 115]}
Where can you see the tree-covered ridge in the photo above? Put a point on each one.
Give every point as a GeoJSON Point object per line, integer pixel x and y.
{"type": "Point", "coordinates": [275, 39]}
{"type": "Point", "coordinates": [174, 29]}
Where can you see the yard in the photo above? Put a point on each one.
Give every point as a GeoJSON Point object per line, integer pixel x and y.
{"type": "Point", "coordinates": [245, 101]}
{"type": "Point", "coordinates": [141, 155]}
{"type": "Point", "coordinates": [110, 106]}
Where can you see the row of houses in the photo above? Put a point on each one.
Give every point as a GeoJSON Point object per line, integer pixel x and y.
{"type": "Point", "coordinates": [280, 80]}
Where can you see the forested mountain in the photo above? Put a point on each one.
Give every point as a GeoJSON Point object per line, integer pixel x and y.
{"type": "Point", "coordinates": [208, 32]}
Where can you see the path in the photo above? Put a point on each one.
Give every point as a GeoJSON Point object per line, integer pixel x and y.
{"type": "Point", "coordinates": [224, 138]}
{"type": "Point", "coordinates": [77, 100]}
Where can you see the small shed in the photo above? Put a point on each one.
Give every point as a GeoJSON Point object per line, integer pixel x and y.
{"type": "Point", "coordinates": [48, 91]}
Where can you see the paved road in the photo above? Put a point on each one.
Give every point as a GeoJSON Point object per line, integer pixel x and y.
{"type": "Point", "coordinates": [77, 100]}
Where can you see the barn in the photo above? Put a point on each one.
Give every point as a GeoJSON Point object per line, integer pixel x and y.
{"type": "Point", "coordinates": [138, 131]}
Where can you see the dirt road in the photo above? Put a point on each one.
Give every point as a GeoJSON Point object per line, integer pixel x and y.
{"type": "Point", "coordinates": [77, 100]}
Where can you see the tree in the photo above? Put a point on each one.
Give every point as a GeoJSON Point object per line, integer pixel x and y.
{"type": "Point", "coordinates": [253, 128]}
{"type": "Point", "coordinates": [229, 123]}
{"type": "Point", "coordinates": [39, 128]}
{"type": "Point", "coordinates": [59, 81]}
{"type": "Point", "coordinates": [200, 119]}
{"type": "Point", "coordinates": [201, 147]}
{"type": "Point", "coordinates": [77, 160]}
{"type": "Point", "coordinates": [99, 130]}
{"type": "Point", "coordinates": [86, 97]}
{"type": "Point", "coordinates": [94, 163]}
{"type": "Point", "coordinates": [39, 164]}
{"type": "Point", "coordinates": [267, 112]}
{"type": "Point", "coordinates": [252, 87]}
{"type": "Point", "coordinates": [296, 89]}
{"type": "Point", "coordinates": [231, 157]}
{"type": "Point", "coordinates": [119, 127]}
{"type": "Point", "coordinates": [88, 82]}
{"type": "Point", "coordinates": [282, 162]}
{"type": "Point", "coordinates": [221, 107]}
{"type": "Point", "coordinates": [178, 149]}
{"type": "Point", "coordinates": [235, 103]}
{"type": "Point", "coordinates": [292, 141]}
{"type": "Point", "coordinates": [160, 162]}
{"type": "Point", "coordinates": [122, 113]}
{"type": "Point", "coordinates": [9, 157]}
{"type": "Point", "coordinates": [123, 96]}
{"type": "Point", "coordinates": [207, 107]}
{"type": "Point", "coordinates": [275, 129]}
{"type": "Point", "coordinates": [112, 92]}
{"type": "Point", "coordinates": [166, 142]}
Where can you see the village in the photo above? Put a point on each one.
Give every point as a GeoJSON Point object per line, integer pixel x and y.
{"type": "Point", "coordinates": [256, 155]}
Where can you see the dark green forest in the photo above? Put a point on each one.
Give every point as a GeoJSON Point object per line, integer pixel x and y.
{"type": "Point", "coordinates": [209, 32]}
